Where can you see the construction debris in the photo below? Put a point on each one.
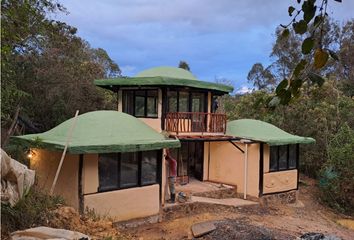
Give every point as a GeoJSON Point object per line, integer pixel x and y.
{"type": "Point", "coordinates": [16, 179]}
{"type": "Point", "coordinates": [203, 228]}
{"type": "Point", "coordinates": [40, 233]}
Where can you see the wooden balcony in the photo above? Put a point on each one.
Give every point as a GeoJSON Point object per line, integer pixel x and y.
{"type": "Point", "coordinates": [195, 122]}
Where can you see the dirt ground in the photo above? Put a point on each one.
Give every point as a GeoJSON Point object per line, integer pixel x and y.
{"type": "Point", "coordinates": [275, 221]}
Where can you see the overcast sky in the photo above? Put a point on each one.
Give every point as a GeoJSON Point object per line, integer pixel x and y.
{"type": "Point", "coordinates": [218, 39]}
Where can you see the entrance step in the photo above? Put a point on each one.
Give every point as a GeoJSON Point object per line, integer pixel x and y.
{"type": "Point", "coordinates": [222, 193]}
{"type": "Point", "coordinates": [235, 202]}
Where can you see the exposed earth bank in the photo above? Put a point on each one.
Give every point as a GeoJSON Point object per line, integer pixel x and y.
{"type": "Point", "coordinates": [274, 221]}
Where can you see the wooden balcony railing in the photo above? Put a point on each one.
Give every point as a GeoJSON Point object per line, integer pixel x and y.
{"type": "Point", "coordinates": [188, 122]}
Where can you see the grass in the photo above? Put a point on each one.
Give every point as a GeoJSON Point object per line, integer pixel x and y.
{"type": "Point", "coordinates": [32, 210]}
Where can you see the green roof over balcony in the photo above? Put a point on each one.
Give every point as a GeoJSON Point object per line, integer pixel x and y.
{"type": "Point", "coordinates": [163, 76]}
{"type": "Point", "coordinates": [264, 132]}
{"type": "Point", "coordinates": [101, 132]}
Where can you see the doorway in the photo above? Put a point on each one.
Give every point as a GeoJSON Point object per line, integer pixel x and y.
{"type": "Point", "coordinates": [190, 158]}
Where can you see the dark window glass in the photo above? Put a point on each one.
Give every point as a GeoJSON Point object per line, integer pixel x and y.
{"type": "Point", "coordinates": [292, 156]}
{"type": "Point", "coordinates": [283, 157]}
{"type": "Point", "coordinates": [172, 101]}
{"type": "Point", "coordinates": [148, 167]}
{"type": "Point", "coordinates": [128, 102]}
{"type": "Point", "coordinates": [152, 103]}
{"type": "Point", "coordinates": [182, 162]}
{"type": "Point", "coordinates": [108, 171]}
{"type": "Point", "coordinates": [183, 102]}
{"type": "Point", "coordinates": [198, 102]}
{"type": "Point", "coordinates": [129, 170]}
{"type": "Point", "coordinates": [139, 103]}
{"type": "Point", "coordinates": [215, 104]}
{"type": "Point", "coordinates": [273, 159]}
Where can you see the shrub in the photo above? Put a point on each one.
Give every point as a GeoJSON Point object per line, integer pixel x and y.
{"type": "Point", "coordinates": [32, 210]}
{"type": "Point", "coordinates": [337, 175]}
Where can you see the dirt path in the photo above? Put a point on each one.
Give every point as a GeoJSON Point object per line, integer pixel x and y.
{"type": "Point", "coordinates": [274, 221]}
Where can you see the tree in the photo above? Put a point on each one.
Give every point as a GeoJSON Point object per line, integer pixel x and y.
{"type": "Point", "coordinates": [47, 70]}
{"type": "Point", "coordinates": [309, 26]}
{"type": "Point", "coordinates": [261, 78]}
{"type": "Point", "coordinates": [184, 65]}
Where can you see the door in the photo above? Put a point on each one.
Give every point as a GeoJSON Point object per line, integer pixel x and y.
{"type": "Point", "coordinates": [195, 160]}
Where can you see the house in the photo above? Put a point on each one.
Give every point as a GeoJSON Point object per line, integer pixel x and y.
{"type": "Point", "coordinates": [115, 162]}
{"type": "Point", "coordinates": [112, 166]}
{"type": "Point", "coordinates": [255, 156]}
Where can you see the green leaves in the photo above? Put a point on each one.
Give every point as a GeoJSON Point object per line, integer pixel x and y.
{"type": "Point", "coordinates": [309, 9]}
{"type": "Point", "coordinates": [307, 45]}
{"type": "Point", "coordinates": [285, 33]}
{"type": "Point", "coordinates": [299, 67]}
{"type": "Point", "coordinates": [291, 9]}
{"type": "Point", "coordinates": [282, 85]}
{"type": "Point", "coordinates": [320, 58]}
{"type": "Point", "coordinates": [300, 27]}
{"type": "Point", "coordinates": [315, 78]}
{"type": "Point", "coordinates": [333, 55]}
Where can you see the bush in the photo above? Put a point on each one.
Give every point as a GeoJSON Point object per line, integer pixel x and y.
{"type": "Point", "coordinates": [337, 175]}
{"type": "Point", "coordinates": [32, 210]}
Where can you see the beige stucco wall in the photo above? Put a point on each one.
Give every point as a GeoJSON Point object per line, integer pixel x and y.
{"type": "Point", "coordinates": [266, 158]}
{"type": "Point", "coordinates": [90, 174]}
{"type": "Point", "coordinates": [125, 204]}
{"type": "Point", "coordinates": [227, 165]}
{"type": "Point", "coordinates": [45, 163]}
{"type": "Point", "coordinates": [280, 181]}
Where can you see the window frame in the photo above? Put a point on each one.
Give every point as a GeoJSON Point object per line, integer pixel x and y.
{"type": "Point", "coordinates": [287, 158]}
{"type": "Point", "coordinates": [190, 97]}
{"type": "Point", "coordinates": [139, 162]}
{"type": "Point", "coordinates": [145, 96]}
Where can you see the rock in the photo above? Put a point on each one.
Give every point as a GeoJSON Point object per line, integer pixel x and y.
{"type": "Point", "coordinates": [40, 233]}
{"type": "Point", "coordinates": [318, 236]}
{"type": "Point", "coordinates": [203, 228]}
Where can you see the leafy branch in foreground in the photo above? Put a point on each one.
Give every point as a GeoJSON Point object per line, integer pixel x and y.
{"type": "Point", "coordinates": [314, 56]}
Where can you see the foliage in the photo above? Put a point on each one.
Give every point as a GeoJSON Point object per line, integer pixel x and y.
{"type": "Point", "coordinates": [318, 114]}
{"type": "Point", "coordinates": [337, 175]}
{"type": "Point", "coordinates": [262, 78]}
{"type": "Point", "coordinates": [46, 69]}
{"type": "Point", "coordinates": [312, 54]}
{"type": "Point", "coordinates": [34, 209]}
{"type": "Point", "coordinates": [184, 65]}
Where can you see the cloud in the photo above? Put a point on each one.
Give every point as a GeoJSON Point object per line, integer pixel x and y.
{"type": "Point", "coordinates": [244, 89]}
{"type": "Point", "coordinates": [216, 38]}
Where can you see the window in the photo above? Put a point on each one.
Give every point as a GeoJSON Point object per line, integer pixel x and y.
{"type": "Point", "coordinates": [283, 157]}
{"type": "Point", "coordinates": [148, 168]}
{"type": "Point", "coordinates": [151, 103]}
{"type": "Point", "coordinates": [141, 103]}
{"type": "Point", "coordinates": [140, 100]}
{"type": "Point", "coordinates": [183, 101]}
{"type": "Point", "coordinates": [126, 170]}
{"type": "Point", "coordinates": [108, 164]}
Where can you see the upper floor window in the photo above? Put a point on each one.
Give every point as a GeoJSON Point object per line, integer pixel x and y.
{"type": "Point", "coordinates": [141, 103]}
{"type": "Point", "coordinates": [284, 157]}
{"type": "Point", "coordinates": [183, 101]}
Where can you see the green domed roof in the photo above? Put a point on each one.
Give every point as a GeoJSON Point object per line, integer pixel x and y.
{"type": "Point", "coordinates": [102, 131]}
{"type": "Point", "coordinates": [170, 72]}
{"type": "Point", "coordinates": [163, 77]}
{"type": "Point", "coordinates": [264, 132]}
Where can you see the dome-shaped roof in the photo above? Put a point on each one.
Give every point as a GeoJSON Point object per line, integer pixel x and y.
{"type": "Point", "coordinates": [103, 131]}
{"type": "Point", "coordinates": [170, 72]}
{"type": "Point", "coordinates": [262, 131]}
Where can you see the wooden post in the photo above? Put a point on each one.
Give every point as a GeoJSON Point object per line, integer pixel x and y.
{"type": "Point", "coordinates": [64, 152]}
{"type": "Point", "coordinates": [246, 172]}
